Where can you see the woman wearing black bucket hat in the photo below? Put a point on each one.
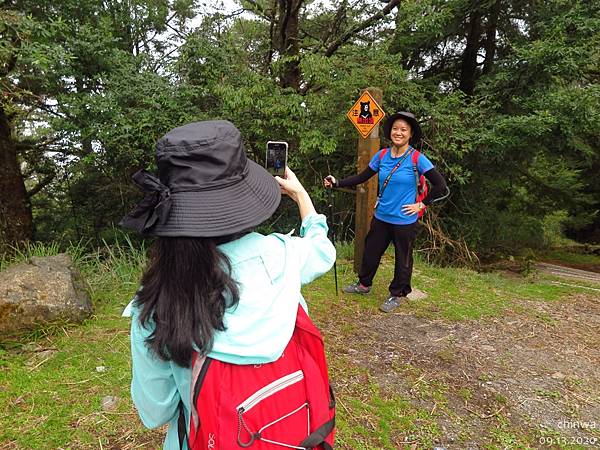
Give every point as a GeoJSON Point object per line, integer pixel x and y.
{"type": "Point", "coordinates": [212, 285]}
{"type": "Point", "coordinates": [396, 213]}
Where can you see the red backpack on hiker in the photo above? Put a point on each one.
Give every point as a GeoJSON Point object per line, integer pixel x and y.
{"type": "Point", "coordinates": [287, 403]}
{"type": "Point", "coordinates": [420, 181]}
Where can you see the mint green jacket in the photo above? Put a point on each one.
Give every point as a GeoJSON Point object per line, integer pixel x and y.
{"type": "Point", "coordinates": [269, 271]}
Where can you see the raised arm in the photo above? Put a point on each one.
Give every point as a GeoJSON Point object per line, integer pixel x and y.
{"type": "Point", "coordinates": [314, 251]}
{"type": "Point", "coordinates": [353, 180]}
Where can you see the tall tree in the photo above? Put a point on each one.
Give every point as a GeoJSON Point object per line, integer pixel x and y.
{"type": "Point", "coordinates": [26, 50]}
{"type": "Point", "coordinates": [296, 31]}
{"type": "Point", "coordinates": [60, 57]}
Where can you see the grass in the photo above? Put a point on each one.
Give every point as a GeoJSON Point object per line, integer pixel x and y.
{"type": "Point", "coordinates": [570, 255]}
{"type": "Point", "coordinates": [51, 388]}
{"type": "Point", "coordinates": [377, 420]}
{"type": "Point", "coordinates": [29, 250]}
{"type": "Point", "coordinates": [460, 294]}
{"type": "Point", "coordinates": [53, 401]}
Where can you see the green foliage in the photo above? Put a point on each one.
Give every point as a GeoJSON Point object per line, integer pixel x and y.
{"type": "Point", "coordinates": [114, 77]}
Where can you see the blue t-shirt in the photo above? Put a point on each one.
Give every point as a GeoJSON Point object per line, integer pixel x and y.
{"type": "Point", "coordinates": [401, 189]}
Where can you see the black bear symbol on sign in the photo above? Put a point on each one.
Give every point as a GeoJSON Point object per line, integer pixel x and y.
{"type": "Point", "coordinates": [365, 115]}
{"type": "Point", "coordinates": [365, 110]}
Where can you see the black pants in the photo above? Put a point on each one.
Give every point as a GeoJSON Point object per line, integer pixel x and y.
{"type": "Point", "coordinates": [378, 238]}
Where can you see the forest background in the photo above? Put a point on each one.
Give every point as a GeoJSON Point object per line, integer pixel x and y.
{"type": "Point", "coordinates": [507, 92]}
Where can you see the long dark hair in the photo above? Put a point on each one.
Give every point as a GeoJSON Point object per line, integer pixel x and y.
{"type": "Point", "coordinates": [185, 290]}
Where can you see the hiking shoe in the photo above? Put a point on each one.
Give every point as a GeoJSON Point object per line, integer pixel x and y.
{"type": "Point", "coordinates": [391, 304]}
{"type": "Point", "coordinates": [357, 288]}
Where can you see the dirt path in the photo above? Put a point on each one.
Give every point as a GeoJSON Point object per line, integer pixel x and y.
{"type": "Point", "coordinates": [538, 371]}
{"type": "Point", "coordinates": [568, 272]}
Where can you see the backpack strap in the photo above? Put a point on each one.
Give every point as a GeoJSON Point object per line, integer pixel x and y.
{"type": "Point", "coordinates": [415, 158]}
{"type": "Point", "coordinates": [200, 366]}
{"type": "Point", "coordinates": [198, 375]}
{"type": "Point", "coordinates": [318, 436]}
{"type": "Point", "coordinates": [312, 340]}
{"type": "Point", "coordinates": [382, 153]}
{"type": "Point", "coordinates": [181, 428]}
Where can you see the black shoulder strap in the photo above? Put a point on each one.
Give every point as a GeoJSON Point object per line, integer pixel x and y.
{"type": "Point", "coordinates": [181, 428]}
{"type": "Point", "coordinates": [415, 158]}
{"type": "Point", "coordinates": [318, 436]}
{"type": "Point", "coordinates": [195, 390]}
{"type": "Point", "coordinates": [197, 384]}
{"type": "Point", "coordinates": [387, 180]}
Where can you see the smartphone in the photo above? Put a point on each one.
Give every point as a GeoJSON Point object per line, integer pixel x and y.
{"type": "Point", "coordinates": [276, 160]}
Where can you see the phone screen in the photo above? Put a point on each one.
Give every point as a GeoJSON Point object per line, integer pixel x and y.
{"type": "Point", "coordinates": [276, 159]}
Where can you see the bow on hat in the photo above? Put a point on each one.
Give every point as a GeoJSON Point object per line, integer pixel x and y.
{"type": "Point", "coordinates": [155, 206]}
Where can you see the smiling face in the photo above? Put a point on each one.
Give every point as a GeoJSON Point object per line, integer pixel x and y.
{"type": "Point", "coordinates": [400, 133]}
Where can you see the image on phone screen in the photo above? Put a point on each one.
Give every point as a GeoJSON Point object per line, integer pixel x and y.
{"type": "Point", "coordinates": [276, 159]}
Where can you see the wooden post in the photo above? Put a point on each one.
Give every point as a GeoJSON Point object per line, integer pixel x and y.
{"type": "Point", "coordinates": [366, 193]}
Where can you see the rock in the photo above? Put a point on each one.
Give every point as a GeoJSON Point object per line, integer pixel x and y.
{"type": "Point", "coordinates": [100, 369]}
{"type": "Point", "coordinates": [558, 376]}
{"type": "Point", "coordinates": [109, 403]}
{"type": "Point", "coordinates": [42, 291]}
{"type": "Point", "coordinates": [416, 294]}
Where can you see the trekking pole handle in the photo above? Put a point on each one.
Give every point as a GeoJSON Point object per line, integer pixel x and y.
{"type": "Point", "coordinates": [332, 180]}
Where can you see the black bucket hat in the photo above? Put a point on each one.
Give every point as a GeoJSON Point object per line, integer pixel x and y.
{"type": "Point", "coordinates": [206, 185]}
{"type": "Point", "coordinates": [410, 118]}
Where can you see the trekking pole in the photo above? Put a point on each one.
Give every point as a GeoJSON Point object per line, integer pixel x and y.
{"type": "Point", "coordinates": [333, 237]}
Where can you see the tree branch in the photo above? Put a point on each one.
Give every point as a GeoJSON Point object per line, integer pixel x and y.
{"type": "Point", "coordinates": [47, 108]}
{"type": "Point", "coordinates": [359, 27]}
{"type": "Point", "coordinates": [32, 144]}
{"type": "Point", "coordinates": [41, 185]}
{"type": "Point", "coordinates": [258, 9]}
{"type": "Point", "coordinates": [305, 33]}
{"type": "Point", "coordinates": [338, 19]}
{"type": "Point", "coordinates": [181, 35]}
{"type": "Point", "coordinates": [269, 57]}
{"type": "Point", "coordinates": [164, 57]}
{"type": "Point", "coordinates": [147, 40]}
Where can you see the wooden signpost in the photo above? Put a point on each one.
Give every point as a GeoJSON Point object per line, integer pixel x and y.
{"type": "Point", "coordinates": [365, 115]}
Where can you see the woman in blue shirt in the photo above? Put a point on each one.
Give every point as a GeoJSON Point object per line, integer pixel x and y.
{"type": "Point", "coordinates": [211, 284]}
{"type": "Point", "coordinates": [396, 214]}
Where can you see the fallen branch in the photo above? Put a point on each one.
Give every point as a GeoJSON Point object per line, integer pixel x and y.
{"type": "Point", "coordinates": [439, 248]}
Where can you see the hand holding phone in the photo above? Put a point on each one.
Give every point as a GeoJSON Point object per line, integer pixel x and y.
{"type": "Point", "coordinates": [291, 186]}
{"type": "Point", "coordinates": [276, 158]}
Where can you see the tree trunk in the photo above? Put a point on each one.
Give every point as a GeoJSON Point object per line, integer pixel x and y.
{"type": "Point", "coordinates": [288, 27]}
{"type": "Point", "coordinates": [468, 71]}
{"type": "Point", "coordinates": [490, 37]}
{"type": "Point", "coordinates": [15, 212]}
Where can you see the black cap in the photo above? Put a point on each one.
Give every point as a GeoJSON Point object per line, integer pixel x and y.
{"type": "Point", "coordinates": [206, 186]}
{"type": "Point", "coordinates": [410, 118]}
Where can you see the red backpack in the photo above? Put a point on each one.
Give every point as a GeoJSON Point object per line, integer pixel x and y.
{"type": "Point", "coordinates": [420, 181]}
{"type": "Point", "coordinates": [287, 403]}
